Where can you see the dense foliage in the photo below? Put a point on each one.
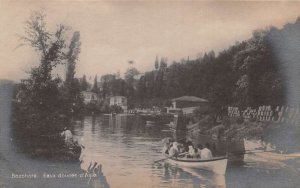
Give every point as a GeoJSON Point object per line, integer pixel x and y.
{"type": "Point", "coordinates": [45, 104]}
{"type": "Point", "coordinates": [259, 71]}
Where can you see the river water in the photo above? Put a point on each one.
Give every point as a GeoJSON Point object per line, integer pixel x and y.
{"type": "Point", "coordinates": [126, 148]}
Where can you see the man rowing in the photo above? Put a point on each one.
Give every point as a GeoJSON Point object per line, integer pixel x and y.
{"type": "Point", "coordinates": [174, 151]}
{"type": "Point", "coordinates": [166, 142]}
{"type": "Point", "coordinates": [206, 153]}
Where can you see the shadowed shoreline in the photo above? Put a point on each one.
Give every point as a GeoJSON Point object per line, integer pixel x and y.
{"type": "Point", "coordinates": [14, 163]}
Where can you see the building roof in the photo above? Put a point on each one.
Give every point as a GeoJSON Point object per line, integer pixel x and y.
{"type": "Point", "coordinates": [190, 99]}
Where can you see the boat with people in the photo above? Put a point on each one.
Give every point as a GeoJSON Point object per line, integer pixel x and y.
{"type": "Point", "coordinates": [70, 149]}
{"type": "Point", "coordinates": [217, 165]}
{"type": "Point", "coordinates": [71, 153]}
{"type": "Point", "coordinates": [186, 154]}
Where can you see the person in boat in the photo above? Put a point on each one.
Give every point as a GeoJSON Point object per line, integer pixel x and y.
{"type": "Point", "coordinates": [187, 144]}
{"type": "Point", "coordinates": [173, 151]}
{"type": "Point", "coordinates": [181, 148]}
{"type": "Point", "coordinates": [191, 152]}
{"type": "Point", "coordinates": [206, 153]}
{"type": "Point", "coordinates": [196, 153]}
{"type": "Point", "coordinates": [166, 142]}
{"type": "Point", "coordinates": [67, 136]}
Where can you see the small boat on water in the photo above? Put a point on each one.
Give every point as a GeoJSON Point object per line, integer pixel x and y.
{"type": "Point", "coordinates": [217, 164]}
{"type": "Point", "coordinates": [166, 118]}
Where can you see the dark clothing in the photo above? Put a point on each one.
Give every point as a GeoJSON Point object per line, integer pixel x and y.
{"type": "Point", "coordinates": [187, 144]}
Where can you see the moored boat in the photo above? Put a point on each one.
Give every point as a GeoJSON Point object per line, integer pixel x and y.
{"type": "Point", "coordinates": [217, 164]}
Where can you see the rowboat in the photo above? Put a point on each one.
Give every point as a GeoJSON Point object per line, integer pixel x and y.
{"type": "Point", "coordinates": [217, 164]}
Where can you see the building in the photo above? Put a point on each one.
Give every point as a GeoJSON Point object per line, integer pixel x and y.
{"type": "Point", "coordinates": [119, 101]}
{"type": "Point", "coordinates": [187, 104]}
{"type": "Point", "coordinates": [89, 97]}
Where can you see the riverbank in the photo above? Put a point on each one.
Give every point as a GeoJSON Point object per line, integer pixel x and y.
{"type": "Point", "coordinates": [230, 129]}
{"type": "Point", "coordinates": [234, 129]}
{"type": "Point", "coordinates": [38, 134]}
{"type": "Point", "coordinates": [18, 170]}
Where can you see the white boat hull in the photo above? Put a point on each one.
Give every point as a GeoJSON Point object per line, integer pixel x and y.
{"type": "Point", "coordinates": [217, 165]}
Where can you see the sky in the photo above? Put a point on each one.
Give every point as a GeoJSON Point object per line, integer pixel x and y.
{"type": "Point", "coordinates": [113, 33]}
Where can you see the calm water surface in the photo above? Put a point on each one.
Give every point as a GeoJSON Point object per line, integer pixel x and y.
{"type": "Point", "coordinates": [127, 148]}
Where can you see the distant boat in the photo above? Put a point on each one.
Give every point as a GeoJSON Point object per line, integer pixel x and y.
{"type": "Point", "coordinates": [159, 118]}
{"type": "Point", "coordinates": [258, 145]}
{"type": "Point", "coordinates": [217, 165]}
{"type": "Point", "coordinates": [260, 150]}
{"type": "Point", "coordinates": [277, 156]}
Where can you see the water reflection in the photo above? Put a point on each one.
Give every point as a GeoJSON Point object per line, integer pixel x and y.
{"type": "Point", "coordinates": [195, 177]}
{"type": "Point", "coordinates": [126, 148]}
{"type": "Point", "coordinates": [97, 178]}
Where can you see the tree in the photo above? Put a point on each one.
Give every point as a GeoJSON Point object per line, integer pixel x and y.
{"type": "Point", "coordinates": [131, 84]}
{"type": "Point", "coordinates": [130, 62]}
{"type": "Point", "coordinates": [83, 84]}
{"type": "Point", "coordinates": [49, 45]}
{"type": "Point", "coordinates": [43, 104]}
{"type": "Point", "coordinates": [163, 63]}
{"type": "Point", "coordinates": [73, 99]}
{"type": "Point", "coordinates": [95, 85]}
{"type": "Point", "coordinates": [156, 63]}
{"type": "Point", "coordinates": [106, 84]}
{"type": "Point", "coordinates": [130, 74]}
{"type": "Point", "coordinates": [72, 56]}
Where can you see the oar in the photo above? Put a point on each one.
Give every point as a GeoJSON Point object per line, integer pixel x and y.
{"type": "Point", "coordinates": [161, 160]}
{"type": "Point", "coordinates": [183, 153]}
{"type": "Point", "coordinates": [169, 157]}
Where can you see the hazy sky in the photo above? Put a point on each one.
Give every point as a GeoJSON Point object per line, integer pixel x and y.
{"type": "Point", "coordinates": [112, 33]}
